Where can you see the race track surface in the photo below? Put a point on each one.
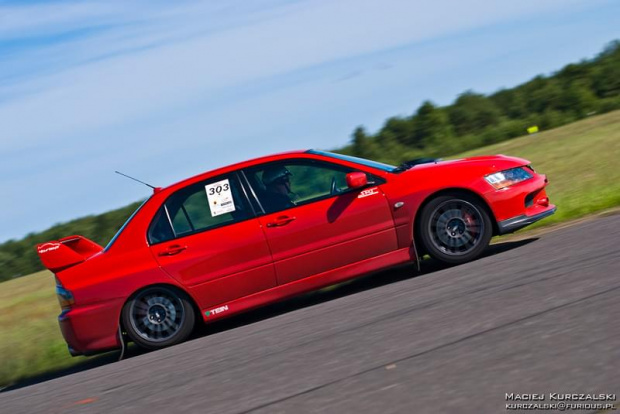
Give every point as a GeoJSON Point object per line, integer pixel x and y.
{"type": "Point", "coordinates": [535, 316]}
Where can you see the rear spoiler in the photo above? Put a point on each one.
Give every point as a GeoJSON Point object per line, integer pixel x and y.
{"type": "Point", "coordinates": [66, 252]}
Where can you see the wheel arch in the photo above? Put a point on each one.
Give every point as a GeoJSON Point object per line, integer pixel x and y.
{"type": "Point", "coordinates": [452, 191]}
{"type": "Point", "coordinates": [165, 285]}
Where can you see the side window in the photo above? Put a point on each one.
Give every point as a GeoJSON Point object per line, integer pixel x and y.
{"type": "Point", "coordinates": [283, 185]}
{"type": "Point", "coordinates": [315, 181]}
{"type": "Point", "coordinates": [199, 207]}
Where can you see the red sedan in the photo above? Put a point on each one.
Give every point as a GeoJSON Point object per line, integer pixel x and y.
{"type": "Point", "coordinates": [257, 232]}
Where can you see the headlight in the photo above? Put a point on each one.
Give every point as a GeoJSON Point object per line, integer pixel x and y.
{"type": "Point", "coordinates": [507, 178]}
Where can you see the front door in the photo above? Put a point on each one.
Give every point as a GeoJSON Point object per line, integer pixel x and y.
{"type": "Point", "coordinates": [314, 222]}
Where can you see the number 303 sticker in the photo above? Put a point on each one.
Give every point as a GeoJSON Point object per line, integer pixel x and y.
{"type": "Point", "coordinates": [220, 198]}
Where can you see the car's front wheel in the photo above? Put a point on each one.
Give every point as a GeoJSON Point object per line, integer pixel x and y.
{"type": "Point", "coordinates": [158, 316]}
{"type": "Point", "coordinates": [454, 228]}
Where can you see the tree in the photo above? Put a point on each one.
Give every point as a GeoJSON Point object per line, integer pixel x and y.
{"type": "Point", "coordinates": [542, 94]}
{"type": "Point", "coordinates": [578, 99]}
{"type": "Point", "coordinates": [388, 148]}
{"type": "Point", "coordinates": [606, 82]}
{"type": "Point", "coordinates": [510, 102]}
{"type": "Point", "coordinates": [472, 112]}
{"type": "Point", "coordinates": [363, 145]}
{"type": "Point", "coordinates": [400, 129]}
{"type": "Point", "coordinates": [431, 126]}
{"type": "Point", "coordinates": [606, 77]}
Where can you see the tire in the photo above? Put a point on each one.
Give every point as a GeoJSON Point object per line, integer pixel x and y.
{"type": "Point", "coordinates": [455, 228]}
{"type": "Point", "coordinates": [158, 316]}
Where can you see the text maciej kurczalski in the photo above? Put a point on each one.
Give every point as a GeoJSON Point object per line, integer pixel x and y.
{"type": "Point", "coordinates": [555, 396]}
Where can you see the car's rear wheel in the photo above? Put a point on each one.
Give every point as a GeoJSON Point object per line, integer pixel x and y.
{"type": "Point", "coordinates": [158, 316]}
{"type": "Point", "coordinates": [455, 228]}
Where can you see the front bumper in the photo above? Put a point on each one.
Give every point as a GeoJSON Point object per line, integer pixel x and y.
{"type": "Point", "coordinates": [521, 204]}
{"type": "Point", "coordinates": [513, 224]}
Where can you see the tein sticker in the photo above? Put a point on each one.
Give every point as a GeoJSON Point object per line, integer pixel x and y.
{"type": "Point", "coordinates": [216, 310]}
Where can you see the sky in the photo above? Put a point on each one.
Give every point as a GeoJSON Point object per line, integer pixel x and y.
{"type": "Point", "coordinates": [163, 90]}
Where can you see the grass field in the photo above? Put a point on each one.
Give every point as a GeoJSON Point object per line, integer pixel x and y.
{"type": "Point", "coordinates": [31, 341]}
{"type": "Point", "coordinates": [581, 161]}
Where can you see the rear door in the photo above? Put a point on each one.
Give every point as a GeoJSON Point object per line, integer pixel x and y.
{"type": "Point", "coordinates": [328, 225]}
{"type": "Point", "coordinates": [206, 236]}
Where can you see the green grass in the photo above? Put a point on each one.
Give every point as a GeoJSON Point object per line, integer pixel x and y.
{"type": "Point", "coordinates": [31, 340]}
{"type": "Point", "coordinates": [581, 161]}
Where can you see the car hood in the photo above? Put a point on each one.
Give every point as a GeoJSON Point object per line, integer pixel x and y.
{"type": "Point", "coordinates": [465, 172]}
{"type": "Point", "coordinates": [485, 164]}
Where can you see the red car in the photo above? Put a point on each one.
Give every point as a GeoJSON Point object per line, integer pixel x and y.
{"type": "Point", "coordinates": [257, 232]}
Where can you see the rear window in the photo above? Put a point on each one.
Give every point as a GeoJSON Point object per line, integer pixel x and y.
{"type": "Point", "coordinates": [209, 204]}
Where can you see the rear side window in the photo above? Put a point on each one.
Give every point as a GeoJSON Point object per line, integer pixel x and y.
{"type": "Point", "coordinates": [209, 204]}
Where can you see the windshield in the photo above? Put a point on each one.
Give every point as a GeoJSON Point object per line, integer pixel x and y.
{"type": "Point", "coordinates": [118, 233]}
{"type": "Point", "coordinates": [368, 163]}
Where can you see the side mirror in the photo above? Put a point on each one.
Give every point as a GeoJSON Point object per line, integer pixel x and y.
{"type": "Point", "coordinates": [356, 179]}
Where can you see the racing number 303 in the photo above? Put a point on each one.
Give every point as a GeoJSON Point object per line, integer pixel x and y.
{"type": "Point", "coordinates": [218, 189]}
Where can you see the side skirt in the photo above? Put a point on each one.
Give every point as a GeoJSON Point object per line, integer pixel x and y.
{"type": "Point", "coordinates": [308, 284]}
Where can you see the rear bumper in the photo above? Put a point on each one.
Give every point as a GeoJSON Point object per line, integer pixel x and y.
{"type": "Point", "coordinates": [513, 224]}
{"type": "Point", "coordinates": [91, 329]}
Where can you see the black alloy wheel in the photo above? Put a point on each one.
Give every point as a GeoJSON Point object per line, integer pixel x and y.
{"type": "Point", "coordinates": [455, 228]}
{"type": "Point", "coordinates": [158, 317]}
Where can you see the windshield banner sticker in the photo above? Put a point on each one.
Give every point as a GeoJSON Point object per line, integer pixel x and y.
{"type": "Point", "coordinates": [220, 198]}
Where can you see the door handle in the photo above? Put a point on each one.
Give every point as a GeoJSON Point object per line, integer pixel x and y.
{"type": "Point", "coordinates": [281, 221]}
{"type": "Point", "coordinates": [172, 250]}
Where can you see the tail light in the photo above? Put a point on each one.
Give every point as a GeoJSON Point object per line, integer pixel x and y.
{"type": "Point", "coordinates": [65, 297]}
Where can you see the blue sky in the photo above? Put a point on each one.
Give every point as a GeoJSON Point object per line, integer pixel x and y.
{"type": "Point", "coordinates": [167, 89]}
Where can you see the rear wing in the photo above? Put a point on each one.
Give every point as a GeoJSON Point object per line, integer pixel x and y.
{"type": "Point", "coordinates": [66, 252]}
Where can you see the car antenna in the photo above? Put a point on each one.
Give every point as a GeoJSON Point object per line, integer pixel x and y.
{"type": "Point", "coordinates": [155, 189]}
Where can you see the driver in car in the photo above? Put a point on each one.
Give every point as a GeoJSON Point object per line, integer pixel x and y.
{"type": "Point", "coordinates": [278, 189]}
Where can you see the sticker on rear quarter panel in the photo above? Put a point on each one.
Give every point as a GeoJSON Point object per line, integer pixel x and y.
{"type": "Point", "coordinates": [369, 192]}
{"type": "Point", "coordinates": [220, 198]}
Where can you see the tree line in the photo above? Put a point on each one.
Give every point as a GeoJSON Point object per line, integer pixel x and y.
{"type": "Point", "coordinates": [472, 120]}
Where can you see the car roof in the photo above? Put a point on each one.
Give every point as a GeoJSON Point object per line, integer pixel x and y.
{"type": "Point", "coordinates": [232, 167]}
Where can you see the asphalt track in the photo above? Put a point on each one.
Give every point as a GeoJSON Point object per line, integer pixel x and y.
{"type": "Point", "coordinates": [540, 315]}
